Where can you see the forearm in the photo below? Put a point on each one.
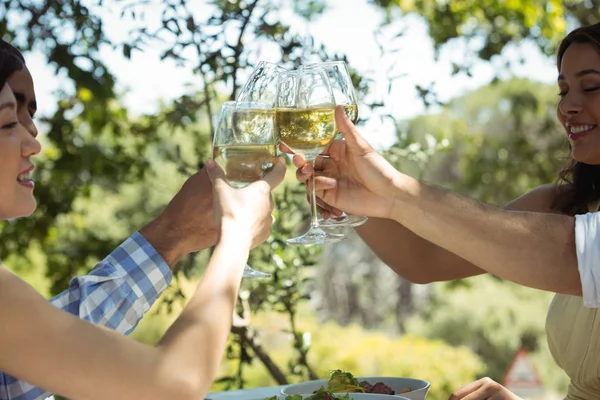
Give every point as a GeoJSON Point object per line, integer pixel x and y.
{"type": "Point", "coordinates": [411, 256]}
{"type": "Point", "coordinates": [532, 249]}
{"type": "Point", "coordinates": [206, 321]}
{"type": "Point", "coordinates": [120, 289]}
{"type": "Point", "coordinates": [172, 242]}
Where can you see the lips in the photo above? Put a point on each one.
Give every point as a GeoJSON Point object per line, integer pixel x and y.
{"type": "Point", "coordinates": [578, 130]}
{"type": "Point", "coordinates": [24, 178]}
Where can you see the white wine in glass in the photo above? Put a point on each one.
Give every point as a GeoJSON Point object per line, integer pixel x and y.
{"type": "Point", "coordinates": [246, 163]}
{"type": "Point", "coordinates": [245, 148]}
{"type": "Point", "coordinates": [306, 131]}
{"type": "Point", "coordinates": [305, 123]}
{"type": "Point", "coordinates": [345, 96]}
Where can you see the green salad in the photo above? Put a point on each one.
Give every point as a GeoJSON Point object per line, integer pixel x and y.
{"type": "Point", "coordinates": [339, 382]}
{"type": "Point", "coordinates": [321, 394]}
{"type": "Point", "coordinates": [345, 382]}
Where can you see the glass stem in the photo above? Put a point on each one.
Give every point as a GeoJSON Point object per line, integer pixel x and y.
{"type": "Point", "coordinates": [314, 221]}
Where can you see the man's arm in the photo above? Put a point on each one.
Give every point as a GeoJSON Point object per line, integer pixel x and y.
{"type": "Point", "coordinates": [529, 248]}
{"type": "Point", "coordinates": [120, 289]}
{"type": "Point", "coordinates": [421, 261]}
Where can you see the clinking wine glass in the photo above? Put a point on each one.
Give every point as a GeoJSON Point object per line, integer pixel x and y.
{"type": "Point", "coordinates": [345, 96]}
{"type": "Point", "coordinates": [245, 148]}
{"type": "Point", "coordinates": [261, 86]}
{"type": "Point", "coordinates": [305, 123]}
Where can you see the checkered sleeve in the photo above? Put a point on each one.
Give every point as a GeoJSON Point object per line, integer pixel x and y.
{"type": "Point", "coordinates": [115, 294]}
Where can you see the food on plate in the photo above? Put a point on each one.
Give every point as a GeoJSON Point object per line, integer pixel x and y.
{"type": "Point", "coordinates": [345, 382]}
{"type": "Point", "coordinates": [321, 394]}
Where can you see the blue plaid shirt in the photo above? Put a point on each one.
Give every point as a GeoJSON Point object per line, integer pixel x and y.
{"type": "Point", "coordinates": [115, 294]}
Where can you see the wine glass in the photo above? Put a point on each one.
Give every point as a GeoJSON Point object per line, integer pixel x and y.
{"type": "Point", "coordinates": [305, 123]}
{"type": "Point", "coordinates": [245, 148]}
{"type": "Point", "coordinates": [343, 92]}
{"type": "Point", "coordinates": [261, 86]}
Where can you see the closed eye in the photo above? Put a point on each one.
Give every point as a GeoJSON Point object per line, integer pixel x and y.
{"type": "Point", "coordinates": [11, 125]}
{"type": "Point", "coordinates": [591, 89]}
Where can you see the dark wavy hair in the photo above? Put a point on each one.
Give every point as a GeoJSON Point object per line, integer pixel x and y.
{"type": "Point", "coordinates": [11, 61]}
{"type": "Point", "coordinates": [579, 183]}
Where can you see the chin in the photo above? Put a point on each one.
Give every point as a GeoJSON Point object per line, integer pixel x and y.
{"type": "Point", "coordinates": [26, 208]}
{"type": "Point", "coordinates": [586, 157]}
{"type": "Point", "coordinates": [18, 207]}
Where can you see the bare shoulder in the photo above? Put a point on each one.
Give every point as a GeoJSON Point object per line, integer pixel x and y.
{"type": "Point", "coordinates": [539, 199]}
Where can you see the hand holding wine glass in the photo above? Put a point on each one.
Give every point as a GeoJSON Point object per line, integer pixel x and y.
{"type": "Point", "coordinates": [244, 147]}
{"type": "Point", "coordinates": [354, 177]}
{"type": "Point", "coordinates": [246, 212]}
{"type": "Point", "coordinates": [304, 122]}
{"type": "Point", "coordinates": [344, 95]}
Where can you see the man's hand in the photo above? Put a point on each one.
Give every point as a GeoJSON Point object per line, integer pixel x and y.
{"type": "Point", "coordinates": [483, 389]}
{"type": "Point", "coordinates": [187, 224]}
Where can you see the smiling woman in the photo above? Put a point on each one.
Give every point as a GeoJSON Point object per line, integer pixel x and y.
{"type": "Point", "coordinates": [17, 146]}
{"type": "Point", "coordinates": [578, 63]}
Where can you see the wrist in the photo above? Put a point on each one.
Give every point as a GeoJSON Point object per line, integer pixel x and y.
{"type": "Point", "coordinates": [231, 232]}
{"type": "Point", "coordinates": [405, 193]}
{"type": "Point", "coordinates": [168, 245]}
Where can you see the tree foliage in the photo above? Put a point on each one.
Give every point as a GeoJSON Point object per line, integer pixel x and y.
{"type": "Point", "coordinates": [488, 28]}
{"type": "Point", "coordinates": [496, 24]}
{"type": "Point", "coordinates": [505, 139]}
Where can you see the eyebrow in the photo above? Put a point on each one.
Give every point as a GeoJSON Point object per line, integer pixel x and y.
{"type": "Point", "coordinates": [9, 104]}
{"type": "Point", "coordinates": [21, 99]}
{"type": "Point", "coordinates": [581, 73]}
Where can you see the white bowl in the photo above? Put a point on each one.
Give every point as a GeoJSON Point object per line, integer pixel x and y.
{"type": "Point", "coordinates": [418, 387]}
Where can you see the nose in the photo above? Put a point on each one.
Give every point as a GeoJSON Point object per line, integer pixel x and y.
{"type": "Point", "coordinates": [570, 104]}
{"type": "Point", "coordinates": [29, 144]}
{"type": "Point", "coordinates": [26, 120]}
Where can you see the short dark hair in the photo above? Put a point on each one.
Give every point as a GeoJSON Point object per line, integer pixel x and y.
{"type": "Point", "coordinates": [9, 48]}
{"type": "Point", "coordinates": [11, 61]}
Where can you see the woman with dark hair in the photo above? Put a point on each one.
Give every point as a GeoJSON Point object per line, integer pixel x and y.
{"type": "Point", "coordinates": [547, 239]}
{"type": "Point", "coordinates": [47, 348]}
{"type": "Point", "coordinates": [21, 83]}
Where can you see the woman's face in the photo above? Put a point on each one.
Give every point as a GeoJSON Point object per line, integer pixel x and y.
{"type": "Point", "coordinates": [17, 146]}
{"type": "Point", "coordinates": [579, 107]}
{"type": "Point", "coordinates": [21, 85]}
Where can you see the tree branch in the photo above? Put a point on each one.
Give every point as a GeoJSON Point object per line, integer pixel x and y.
{"type": "Point", "coordinates": [239, 47]}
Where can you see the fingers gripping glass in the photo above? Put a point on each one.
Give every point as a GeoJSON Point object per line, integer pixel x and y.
{"type": "Point", "coordinates": [345, 96]}
{"type": "Point", "coordinates": [244, 147]}
{"type": "Point", "coordinates": [305, 123]}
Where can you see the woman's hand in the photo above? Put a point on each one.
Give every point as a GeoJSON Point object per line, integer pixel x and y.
{"type": "Point", "coordinates": [245, 212]}
{"type": "Point", "coordinates": [353, 177]}
{"type": "Point", "coordinates": [483, 389]}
